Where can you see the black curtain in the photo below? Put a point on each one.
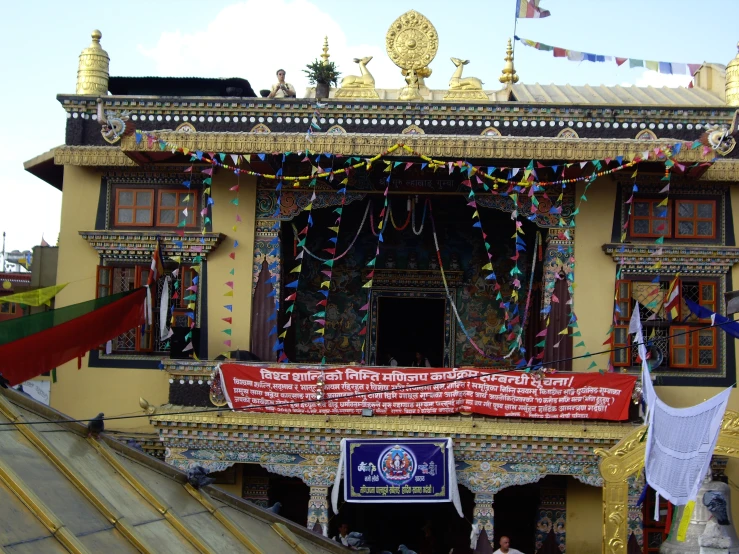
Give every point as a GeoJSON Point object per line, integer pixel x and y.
{"type": "Point", "coordinates": [262, 308]}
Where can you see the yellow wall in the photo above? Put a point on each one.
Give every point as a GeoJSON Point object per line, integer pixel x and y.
{"type": "Point", "coordinates": [584, 524]}
{"type": "Point", "coordinates": [219, 263]}
{"type": "Point", "coordinates": [595, 272]}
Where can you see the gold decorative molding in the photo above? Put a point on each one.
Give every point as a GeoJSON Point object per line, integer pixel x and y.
{"type": "Point", "coordinates": [441, 146]}
{"type": "Point", "coordinates": [444, 425]}
{"type": "Point", "coordinates": [139, 244]}
{"type": "Point", "coordinates": [722, 170]}
{"type": "Point", "coordinates": [491, 132]}
{"type": "Point", "coordinates": [92, 156]}
{"type": "Point", "coordinates": [568, 133]}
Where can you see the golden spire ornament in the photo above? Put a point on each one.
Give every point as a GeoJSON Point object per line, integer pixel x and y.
{"type": "Point", "coordinates": [732, 81]}
{"type": "Point", "coordinates": [509, 72]}
{"type": "Point", "coordinates": [92, 75]}
{"type": "Point", "coordinates": [325, 56]}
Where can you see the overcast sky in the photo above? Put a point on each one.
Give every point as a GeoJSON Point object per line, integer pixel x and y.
{"type": "Point", "coordinates": [41, 41]}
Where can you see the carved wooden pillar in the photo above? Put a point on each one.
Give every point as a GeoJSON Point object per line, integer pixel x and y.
{"type": "Point", "coordinates": [556, 301]}
{"type": "Point", "coordinates": [483, 516]}
{"type": "Point", "coordinates": [318, 510]}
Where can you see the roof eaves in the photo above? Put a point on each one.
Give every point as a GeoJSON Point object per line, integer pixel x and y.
{"type": "Point", "coordinates": [575, 94]}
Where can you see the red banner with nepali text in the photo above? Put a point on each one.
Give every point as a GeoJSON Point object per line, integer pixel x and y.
{"type": "Point", "coordinates": [408, 391]}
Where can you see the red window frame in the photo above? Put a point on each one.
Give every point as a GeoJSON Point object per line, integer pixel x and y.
{"type": "Point", "coordinates": [7, 308]}
{"type": "Point", "coordinates": [177, 208]}
{"type": "Point", "coordinates": [653, 202]}
{"type": "Point", "coordinates": [695, 219]}
{"type": "Point", "coordinates": [133, 207]}
{"type": "Point", "coordinates": [623, 299]}
{"type": "Point", "coordinates": [688, 341]}
{"type": "Point", "coordinates": [144, 341]}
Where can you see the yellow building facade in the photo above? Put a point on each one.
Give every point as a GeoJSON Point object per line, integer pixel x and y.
{"type": "Point", "coordinates": [603, 152]}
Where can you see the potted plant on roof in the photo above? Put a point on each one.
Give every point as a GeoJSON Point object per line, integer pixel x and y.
{"type": "Point", "coordinates": [323, 74]}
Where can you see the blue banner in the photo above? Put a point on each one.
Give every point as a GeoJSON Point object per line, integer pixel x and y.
{"type": "Point", "coordinates": [397, 470]}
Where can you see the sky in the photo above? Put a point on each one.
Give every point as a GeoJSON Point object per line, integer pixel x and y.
{"type": "Point", "coordinates": [251, 39]}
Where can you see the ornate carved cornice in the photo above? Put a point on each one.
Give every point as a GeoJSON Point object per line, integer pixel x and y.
{"type": "Point", "coordinates": [441, 425]}
{"type": "Point", "coordinates": [92, 156]}
{"type": "Point", "coordinates": [138, 245]}
{"type": "Point", "coordinates": [699, 259]}
{"type": "Point", "coordinates": [722, 170]}
{"type": "Point", "coordinates": [439, 146]}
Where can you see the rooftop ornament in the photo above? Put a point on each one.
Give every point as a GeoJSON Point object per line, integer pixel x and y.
{"type": "Point", "coordinates": [93, 72]}
{"type": "Point", "coordinates": [509, 76]}
{"type": "Point", "coordinates": [322, 73]}
{"type": "Point", "coordinates": [412, 42]}
{"type": "Point", "coordinates": [464, 88]}
{"type": "Point", "coordinates": [359, 86]}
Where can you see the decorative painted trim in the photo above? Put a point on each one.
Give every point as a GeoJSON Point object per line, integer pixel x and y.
{"type": "Point", "coordinates": [138, 245]}
{"type": "Point", "coordinates": [687, 259]}
{"type": "Point", "coordinates": [413, 130]}
{"type": "Point", "coordinates": [185, 128]}
{"type": "Point", "coordinates": [92, 156]}
{"type": "Point", "coordinates": [592, 480]}
{"type": "Point", "coordinates": [442, 146]}
{"type": "Point", "coordinates": [472, 428]}
{"type": "Point", "coordinates": [260, 128]}
{"type": "Point", "coordinates": [645, 134]}
{"type": "Point", "coordinates": [491, 132]}
{"type": "Point", "coordinates": [336, 130]}
{"type": "Point", "coordinates": [568, 133]}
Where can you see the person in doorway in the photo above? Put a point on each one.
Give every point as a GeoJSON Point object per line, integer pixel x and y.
{"type": "Point", "coordinates": [421, 361]}
{"type": "Point", "coordinates": [392, 362]}
{"type": "Point", "coordinates": [281, 89]}
{"type": "Point", "coordinates": [505, 547]}
{"type": "Point", "coordinates": [343, 536]}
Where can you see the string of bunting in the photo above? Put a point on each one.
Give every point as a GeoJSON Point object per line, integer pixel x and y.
{"type": "Point", "coordinates": [371, 264]}
{"type": "Point", "coordinates": [272, 267]}
{"type": "Point", "coordinates": [228, 331]}
{"type": "Point", "coordinates": [669, 68]}
{"type": "Point", "coordinates": [325, 288]}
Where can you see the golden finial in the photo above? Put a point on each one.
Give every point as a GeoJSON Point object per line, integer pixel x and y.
{"type": "Point", "coordinates": [509, 72]}
{"type": "Point", "coordinates": [732, 81]}
{"type": "Point", "coordinates": [92, 75]}
{"type": "Point", "coordinates": [325, 54]}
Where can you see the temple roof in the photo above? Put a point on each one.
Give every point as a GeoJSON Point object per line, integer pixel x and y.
{"type": "Point", "coordinates": [615, 95]}
{"type": "Point", "coordinates": [180, 86]}
{"type": "Point", "coordinates": [62, 491]}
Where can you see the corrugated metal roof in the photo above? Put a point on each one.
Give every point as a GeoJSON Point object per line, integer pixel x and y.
{"type": "Point", "coordinates": [62, 491]}
{"type": "Point", "coordinates": [615, 95]}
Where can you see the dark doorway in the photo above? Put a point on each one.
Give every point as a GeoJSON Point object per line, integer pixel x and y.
{"type": "Point", "coordinates": [516, 514]}
{"type": "Point", "coordinates": [293, 494]}
{"type": "Point", "coordinates": [409, 325]}
{"type": "Point", "coordinates": [386, 526]}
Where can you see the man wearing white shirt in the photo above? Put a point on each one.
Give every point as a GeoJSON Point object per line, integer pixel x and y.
{"type": "Point", "coordinates": [505, 547]}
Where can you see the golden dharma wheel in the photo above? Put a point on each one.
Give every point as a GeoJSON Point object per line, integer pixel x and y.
{"type": "Point", "coordinates": [411, 41]}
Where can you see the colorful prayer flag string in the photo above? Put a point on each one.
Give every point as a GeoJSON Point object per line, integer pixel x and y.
{"type": "Point", "coordinates": [669, 68]}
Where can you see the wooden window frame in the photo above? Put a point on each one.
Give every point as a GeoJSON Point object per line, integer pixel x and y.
{"type": "Point", "coordinates": [187, 273]}
{"type": "Point", "coordinates": [695, 219]}
{"type": "Point", "coordinates": [11, 308]}
{"type": "Point", "coordinates": [101, 286]}
{"type": "Point", "coordinates": [692, 347]}
{"type": "Point", "coordinates": [620, 299]}
{"type": "Point", "coordinates": [668, 219]}
{"type": "Point", "coordinates": [621, 346]}
{"type": "Point", "coordinates": [133, 207]}
{"type": "Point", "coordinates": [177, 208]}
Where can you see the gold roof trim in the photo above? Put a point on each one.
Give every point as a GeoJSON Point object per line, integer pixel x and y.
{"type": "Point", "coordinates": [403, 424]}
{"type": "Point", "coordinates": [221, 516]}
{"type": "Point", "coordinates": [92, 156]}
{"type": "Point", "coordinates": [289, 538]}
{"type": "Point", "coordinates": [440, 146]}
{"type": "Point", "coordinates": [152, 498]}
